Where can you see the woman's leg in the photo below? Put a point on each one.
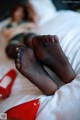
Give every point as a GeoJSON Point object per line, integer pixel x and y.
{"type": "Point", "coordinates": [11, 49]}
{"type": "Point", "coordinates": [27, 39]}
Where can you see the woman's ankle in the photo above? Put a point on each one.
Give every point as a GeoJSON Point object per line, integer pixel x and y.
{"type": "Point", "coordinates": [68, 74]}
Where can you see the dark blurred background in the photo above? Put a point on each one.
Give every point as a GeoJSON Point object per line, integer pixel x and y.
{"type": "Point", "coordinates": [7, 5]}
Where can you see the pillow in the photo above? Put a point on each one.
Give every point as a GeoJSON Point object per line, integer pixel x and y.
{"type": "Point", "coordinates": [44, 9]}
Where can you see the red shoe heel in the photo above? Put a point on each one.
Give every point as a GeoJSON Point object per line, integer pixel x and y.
{"type": "Point", "coordinates": [6, 83]}
{"type": "Point", "coordinates": [25, 111]}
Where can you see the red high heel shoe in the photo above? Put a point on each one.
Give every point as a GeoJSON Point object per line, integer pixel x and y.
{"type": "Point", "coordinates": [25, 111]}
{"type": "Point", "coordinates": [6, 83]}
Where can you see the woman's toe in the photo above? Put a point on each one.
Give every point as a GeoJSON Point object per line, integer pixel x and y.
{"type": "Point", "coordinates": [18, 65]}
{"type": "Point", "coordinates": [18, 60]}
{"type": "Point", "coordinates": [17, 49]}
{"type": "Point", "coordinates": [18, 55]}
{"type": "Point", "coordinates": [55, 37]}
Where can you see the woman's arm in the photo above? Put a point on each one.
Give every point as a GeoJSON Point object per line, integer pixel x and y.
{"type": "Point", "coordinates": [8, 33]}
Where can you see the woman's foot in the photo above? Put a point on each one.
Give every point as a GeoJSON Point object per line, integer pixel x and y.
{"type": "Point", "coordinates": [27, 39]}
{"type": "Point", "coordinates": [28, 66]}
{"type": "Point", "coordinates": [48, 50]}
{"type": "Point", "coordinates": [11, 51]}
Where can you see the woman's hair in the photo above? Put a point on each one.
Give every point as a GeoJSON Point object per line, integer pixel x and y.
{"type": "Point", "coordinates": [26, 10]}
{"type": "Point", "coordinates": [19, 6]}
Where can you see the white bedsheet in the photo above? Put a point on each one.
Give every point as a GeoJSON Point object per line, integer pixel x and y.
{"type": "Point", "coordinates": [65, 103]}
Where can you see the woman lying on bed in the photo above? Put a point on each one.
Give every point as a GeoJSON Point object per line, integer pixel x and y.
{"type": "Point", "coordinates": [39, 51]}
{"type": "Point", "coordinates": [15, 30]}
{"type": "Point", "coordinates": [45, 50]}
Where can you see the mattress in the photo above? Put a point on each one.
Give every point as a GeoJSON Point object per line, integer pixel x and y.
{"type": "Point", "coordinates": [65, 103]}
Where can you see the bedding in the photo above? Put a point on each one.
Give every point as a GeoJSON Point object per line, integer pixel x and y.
{"type": "Point", "coordinates": [65, 103]}
{"type": "Point", "coordinates": [44, 9]}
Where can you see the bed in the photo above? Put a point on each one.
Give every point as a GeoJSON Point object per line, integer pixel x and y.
{"type": "Point", "coordinates": [65, 103]}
